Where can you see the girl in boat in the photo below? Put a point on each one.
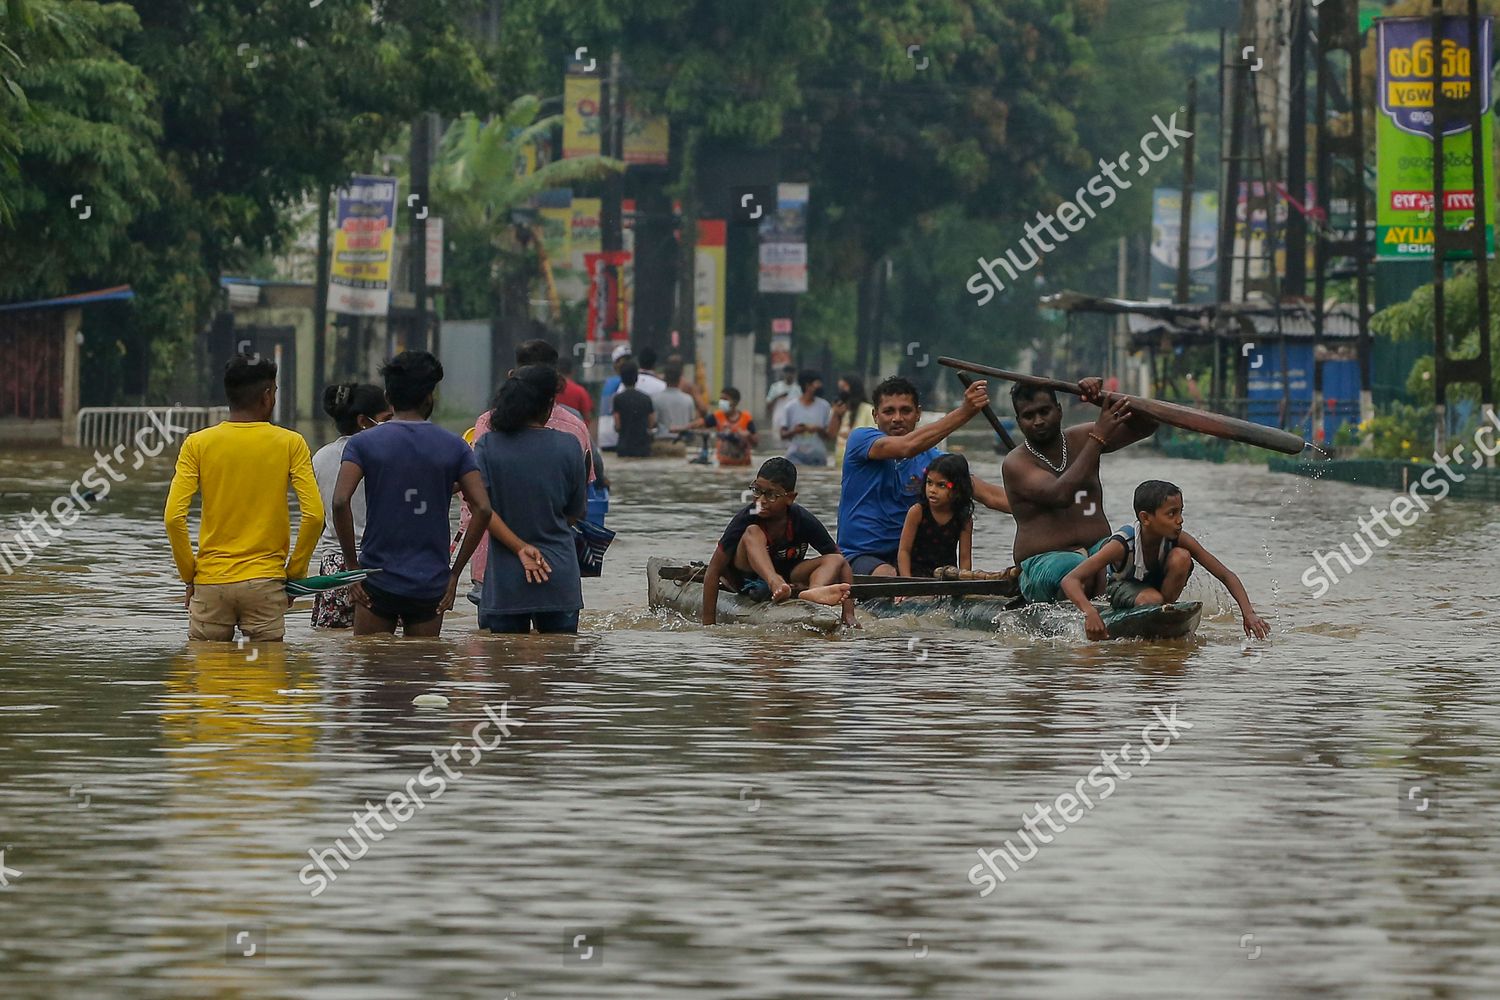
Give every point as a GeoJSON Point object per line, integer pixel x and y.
{"type": "Point", "coordinates": [939, 529]}
{"type": "Point", "coordinates": [354, 406]}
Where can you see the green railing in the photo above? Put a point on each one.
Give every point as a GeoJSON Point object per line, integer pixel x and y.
{"type": "Point", "coordinates": [1398, 476]}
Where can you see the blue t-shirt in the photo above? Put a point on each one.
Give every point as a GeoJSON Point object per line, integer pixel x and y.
{"type": "Point", "coordinates": [410, 468]}
{"type": "Point", "coordinates": [876, 495]}
{"type": "Point", "coordinates": [607, 395]}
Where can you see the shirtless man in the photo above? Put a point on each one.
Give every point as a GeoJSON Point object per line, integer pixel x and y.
{"type": "Point", "coordinates": [1053, 482]}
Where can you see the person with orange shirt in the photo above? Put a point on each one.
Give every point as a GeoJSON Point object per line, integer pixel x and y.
{"type": "Point", "coordinates": [737, 435]}
{"type": "Point", "coordinates": [243, 468]}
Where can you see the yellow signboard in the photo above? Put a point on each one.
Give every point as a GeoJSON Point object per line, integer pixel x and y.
{"type": "Point", "coordinates": [581, 116]}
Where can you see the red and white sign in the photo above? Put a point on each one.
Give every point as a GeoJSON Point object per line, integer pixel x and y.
{"type": "Point", "coordinates": [1422, 201]}
{"type": "Point", "coordinates": [782, 324]}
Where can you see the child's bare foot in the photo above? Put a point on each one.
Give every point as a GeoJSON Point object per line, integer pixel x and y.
{"type": "Point", "coordinates": [849, 620]}
{"type": "Point", "coordinates": [780, 590]}
{"type": "Point", "coordinates": [833, 593]}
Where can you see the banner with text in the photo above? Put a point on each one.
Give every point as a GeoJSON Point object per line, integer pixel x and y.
{"type": "Point", "coordinates": [708, 303]}
{"type": "Point", "coordinates": [1405, 130]}
{"type": "Point", "coordinates": [783, 242]}
{"type": "Point", "coordinates": [359, 271]}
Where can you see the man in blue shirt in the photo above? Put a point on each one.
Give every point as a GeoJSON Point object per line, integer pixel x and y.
{"type": "Point", "coordinates": [885, 466]}
{"type": "Point", "coordinates": [409, 470]}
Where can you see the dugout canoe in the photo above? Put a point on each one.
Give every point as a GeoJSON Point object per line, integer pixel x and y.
{"type": "Point", "coordinates": [677, 586]}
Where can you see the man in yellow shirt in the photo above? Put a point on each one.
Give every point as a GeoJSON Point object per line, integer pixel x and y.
{"type": "Point", "coordinates": [243, 467]}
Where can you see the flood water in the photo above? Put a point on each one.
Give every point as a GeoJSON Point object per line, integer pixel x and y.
{"type": "Point", "coordinates": [739, 812]}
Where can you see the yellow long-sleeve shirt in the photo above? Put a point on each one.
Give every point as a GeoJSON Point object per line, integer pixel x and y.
{"type": "Point", "coordinates": [243, 471]}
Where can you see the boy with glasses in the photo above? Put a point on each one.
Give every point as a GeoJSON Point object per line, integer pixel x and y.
{"type": "Point", "coordinates": [763, 552]}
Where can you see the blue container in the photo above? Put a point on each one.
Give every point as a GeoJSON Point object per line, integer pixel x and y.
{"type": "Point", "coordinates": [591, 541]}
{"type": "Point", "coordinates": [598, 505]}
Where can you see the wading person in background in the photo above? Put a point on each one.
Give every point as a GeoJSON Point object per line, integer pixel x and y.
{"type": "Point", "coordinates": [782, 392]}
{"type": "Point", "coordinates": [736, 431]}
{"type": "Point", "coordinates": [409, 466]}
{"type": "Point", "coordinates": [635, 416]}
{"type": "Point", "coordinates": [243, 467]}
{"type": "Point", "coordinates": [885, 467]}
{"type": "Point", "coordinates": [561, 418]}
{"type": "Point", "coordinates": [354, 407]}
{"type": "Point", "coordinates": [674, 408]}
{"type": "Point", "coordinates": [572, 395]}
{"type": "Point", "coordinates": [804, 424]}
{"type": "Point", "coordinates": [851, 410]}
{"type": "Point", "coordinates": [1053, 483]}
{"type": "Point", "coordinates": [607, 436]}
{"type": "Point", "coordinates": [648, 381]}
{"type": "Point", "coordinates": [685, 384]}
{"type": "Point", "coordinates": [536, 477]}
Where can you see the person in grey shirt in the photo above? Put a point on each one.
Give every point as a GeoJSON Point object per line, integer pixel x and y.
{"type": "Point", "coordinates": [675, 409]}
{"type": "Point", "coordinates": [537, 484]}
{"type": "Point", "coordinates": [804, 423]}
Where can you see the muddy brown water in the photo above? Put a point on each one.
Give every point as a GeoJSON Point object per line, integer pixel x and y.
{"type": "Point", "coordinates": [742, 812]}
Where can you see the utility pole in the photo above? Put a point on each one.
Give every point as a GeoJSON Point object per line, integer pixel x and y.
{"type": "Point", "coordinates": [1184, 236]}
{"type": "Point", "coordinates": [612, 125]}
{"type": "Point", "coordinates": [1295, 283]}
{"type": "Point", "coordinates": [1454, 244]}
{"type": "Point", "coordinates": [1231, 151]}
{"type": "Point", "coordinates": [1122, 326]}
{"type": "Point", "coordinates": [320, 296]}
{"type": "Point", "coordinates": [417, 212]}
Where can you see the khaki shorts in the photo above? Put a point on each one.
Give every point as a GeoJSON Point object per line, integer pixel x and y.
{"type": "Point", "coordinates": [258, 607]}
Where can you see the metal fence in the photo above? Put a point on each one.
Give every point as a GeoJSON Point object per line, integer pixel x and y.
{"type": "Point", "coordinates": [109, 425]}
{"type": "Point", "coordinates": [1467, 483]}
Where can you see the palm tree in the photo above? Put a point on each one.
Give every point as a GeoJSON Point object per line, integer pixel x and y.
{"type": "Point", "coordinates": [479, 180]}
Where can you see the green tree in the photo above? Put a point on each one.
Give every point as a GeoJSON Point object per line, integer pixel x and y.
{"type": "Point", "coordinates": [479, 181]}
{"type": "Point", "coordinates": [1415, 319]}
{"type": "Point", "coordinates": [83, 144]}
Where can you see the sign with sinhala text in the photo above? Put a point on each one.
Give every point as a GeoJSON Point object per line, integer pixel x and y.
{"type": "Point", "coordinates": [1406, 125]}
{"type": "Point", "coordinates": [359, 271]}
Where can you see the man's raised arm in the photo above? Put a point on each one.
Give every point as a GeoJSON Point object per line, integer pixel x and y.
{"type": "Point", "coordinates": [1137, 428]}
{"type": "Point", "coordinates": [976, 398]}
{"type": "Point", "coordinates": [992, 496]}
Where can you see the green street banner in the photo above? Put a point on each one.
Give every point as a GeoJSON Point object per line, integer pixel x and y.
{"type": "Point", "coordinates": [1405, 128]}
